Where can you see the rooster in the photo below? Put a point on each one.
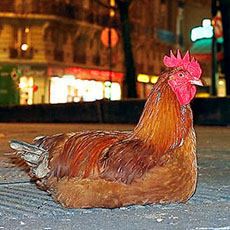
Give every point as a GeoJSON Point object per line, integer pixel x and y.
{"type": "Point", "coordinates": [154, 163]}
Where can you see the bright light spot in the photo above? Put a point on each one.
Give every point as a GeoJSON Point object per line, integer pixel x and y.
{"type": "Point", "coordinates": [22, 85]}
{"type": "Point", "coordinates": [154, 79]}
{"type": "Point", "coordinates": [29, 102]}
{"type": "Point", "coordinates": [107, 83]}
{"type": "Point", "coordinates": [31, 82]}
{"type": "Point", "coordinates": [206, 22]}
{"type": "Point", "coordinates": [69, 89]}
{"type": "Point", "coordinates": [115, 91]}
{"type": "Point", "coordinates": [26, 90]}
{"type": "Point", "coordinates": [143, 78]}
{"type": "Point", "coordinates": [108, 91]}
{"type": "Point", "coordinates": [24, 47]}
{"type": "Point", "coordinates": [58, 90]}
{"type": "Point", "coordinates": [27, 30]}
{"type": "Point", "coordinates": [202, 95]}
{"type": "Point", "coordinates": [221, 82]}
{"type": "Point", "coordinates": [76, 99]}
{"type": "Point", "coordinates": [111, 13]}
{"type": "Point", "coordinates": [112, 2]}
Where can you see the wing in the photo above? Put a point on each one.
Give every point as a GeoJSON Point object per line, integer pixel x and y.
{"type": "Point", "coordinates": [128, 160]}
{"type": "Point", "coordinates": [79, 155]}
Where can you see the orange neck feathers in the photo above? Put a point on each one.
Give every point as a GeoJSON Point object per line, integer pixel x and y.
{"type": "Point", "coordinates": [164, 123]}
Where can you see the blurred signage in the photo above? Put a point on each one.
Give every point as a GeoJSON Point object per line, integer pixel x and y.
{"type": "Point", "coordinates": [218, 27]}
{"type": "Point", "coordinates": [94, 74]}
{"type": "Point", "coordinates": [113, 36]}
{"type": "Point", "coordinates": [166, 36]}
{"type": "Point", "coordinates": [144, 78]}
{"type": "Point", "coordinates": [154, 79]}
{"type": "Point", "coordinates": [204, 31]}
{"type": "Point", "coordinates": [86, 74]}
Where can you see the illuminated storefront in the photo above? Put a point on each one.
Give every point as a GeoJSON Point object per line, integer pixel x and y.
{"type": "Point", "coordinates": [33, 85]}
{"type": "Point", "coordinates": [78, 84]}
{"type": "Point", "coordinates": [26, 90]}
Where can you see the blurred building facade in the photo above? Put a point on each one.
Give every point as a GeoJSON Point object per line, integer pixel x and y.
{"type": "Point", "coordinates": [56, 55]}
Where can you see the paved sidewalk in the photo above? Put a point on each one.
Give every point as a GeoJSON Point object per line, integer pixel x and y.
{"type": "Point", "coordinates": [23, 206]}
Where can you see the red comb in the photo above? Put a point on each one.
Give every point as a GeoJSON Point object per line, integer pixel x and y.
{"type": "Point", "coordinates": [193, 67]}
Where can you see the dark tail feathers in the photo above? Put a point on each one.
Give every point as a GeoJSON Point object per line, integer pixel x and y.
{"type": "Point", "coordinates": [35, 157]}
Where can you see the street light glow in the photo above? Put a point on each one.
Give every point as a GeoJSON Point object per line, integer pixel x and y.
{"type": "Point", "coordinates": [27, 30]}
{"type": "Point", "coordinates": [24, 47]}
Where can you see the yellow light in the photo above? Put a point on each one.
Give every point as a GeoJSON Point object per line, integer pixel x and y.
{"type": "Point", "coordinates": [154, 79]}
{"type": "Point", "coordinates": [31, 82]}
{"type": "Point", "coordinates": [202, 95]}
{"type": "Point", "coordinates": [24, 46]}
{"type": "Point", "coordinates": [29, 102]}
{"type": "Point", "coordinates": [112, 2]}
{"type": "Point", "coordinates": [143, 78]}
{"type": "Point", "coordinates": [27, 30]}
{"type": "Point", "coordinates": [221, 82]}
{"type": "Point", "coordinates": [22, 85]}
{"type": "Point", "coordinates": [111, 13]}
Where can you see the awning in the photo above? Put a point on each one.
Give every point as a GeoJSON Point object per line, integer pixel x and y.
{"type": "Point", "coordinates": [202, 50]}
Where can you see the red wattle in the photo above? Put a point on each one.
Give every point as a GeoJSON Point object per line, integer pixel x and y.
{"type": "Point", "coordinates": [184, 93]}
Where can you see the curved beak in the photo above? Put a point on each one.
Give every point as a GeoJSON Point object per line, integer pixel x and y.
{"type": "Point", "coordinates": [197, 81]}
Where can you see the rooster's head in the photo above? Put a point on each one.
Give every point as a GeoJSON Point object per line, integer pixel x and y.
{"type": "Point", "coordinates": [185, 75]}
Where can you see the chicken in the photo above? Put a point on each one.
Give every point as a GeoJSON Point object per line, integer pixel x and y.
{"type": "Point", "coordinates": [154, 163]}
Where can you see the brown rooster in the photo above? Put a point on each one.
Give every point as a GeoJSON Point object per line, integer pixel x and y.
{"type": "Point", "coordinates": [154, 163]}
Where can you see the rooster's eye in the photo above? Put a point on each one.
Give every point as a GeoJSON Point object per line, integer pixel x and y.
{"type": "Point", "coordinates": [181, 75]}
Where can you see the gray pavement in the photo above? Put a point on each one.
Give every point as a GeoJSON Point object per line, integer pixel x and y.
{"type": "Point", "coordinates": [23, 206]}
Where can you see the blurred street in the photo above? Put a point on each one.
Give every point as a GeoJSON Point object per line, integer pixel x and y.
{"type": "Point", "coordinates": [23, 206]}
